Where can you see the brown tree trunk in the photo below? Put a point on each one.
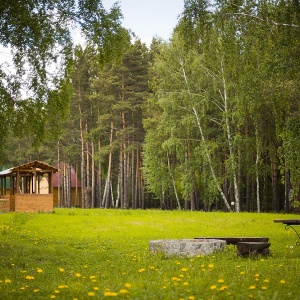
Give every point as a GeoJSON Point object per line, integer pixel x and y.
{"type": "Point", "coordinates": [88, 184]}
{"type": "Point", "coordinates": [273, 163]}
{"type": "Point", "coordinates": [93, 176]}
{"type": "Point", "coordinates": [82, 164]}
{"type": "Point", "coordinates": [99, 178]}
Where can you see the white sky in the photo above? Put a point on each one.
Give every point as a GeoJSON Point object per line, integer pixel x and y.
{"type": "Point", "coordinates": [146, 18]}
{"type": "Point", "coordinates": [149, 18]}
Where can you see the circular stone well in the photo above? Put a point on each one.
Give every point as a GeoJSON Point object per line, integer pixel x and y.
{"type": "Point", "coordinates": [186, 247]}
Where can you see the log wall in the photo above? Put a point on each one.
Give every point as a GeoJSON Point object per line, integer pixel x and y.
{"type": "Point", "coordinates": [33, 202]}
{"type": "Point", "coordinates": [6, 205]}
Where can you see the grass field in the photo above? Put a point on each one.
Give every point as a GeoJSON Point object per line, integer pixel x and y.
{"type": "Point", "coordinates": [100, 254]}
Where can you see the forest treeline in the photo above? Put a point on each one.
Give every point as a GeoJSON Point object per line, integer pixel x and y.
{"type": "Point", "coordinates": [209, 120]}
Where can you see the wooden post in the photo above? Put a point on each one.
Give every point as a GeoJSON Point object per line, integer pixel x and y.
{"type": "Point", "coordinates": [17, 183]}
{"type": "Point", "coordinates": [50, 182]}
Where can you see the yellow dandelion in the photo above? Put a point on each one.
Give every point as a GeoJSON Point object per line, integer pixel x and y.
{"type": "Point", "coordinates": [92, 277]}
{"type": "Point", "coordinates": [256, 275]}
{"type": "Point", "coordinates": [142, 270]}
{"type": "Point", "coordinates": [263, 287]}
{"type": "Point", "coordinates": [252, 287]}
{"type": "Point", "coordinates": [164, 287]}
{"type": "Point", "coordinates": [266, 280]}
{"type": "Point", "coordinates": [128, 285]}
{"type": "Point", "coordinates": [22, 288]}
{"type": "Point", "coordinates": [221, 280]}
{"type": "Point", "coordinates": [211, 266]}
{"type": "Point", "coordinates": [7, 281]}
{"type": "Point", "coordinates": [63, 286]}
{"type": "Point", "coordinates": [39, 270]}
{"type": "Point", "coordinates": [28, 277]}
{"type": "Point", "coordinates": [123, 291]}
{"type": "Point", "coordinates": [114, 294]}
{"type": "Point", "coordinates": [213, 287]}
{"type": "Point", "coordinates": [185, 283]}
{"type": "Point", "coordinates": [191, 298]}
{"type": "Point", "coordinates": [184, 269]}
{"type": "Point", "coordinates": [242, 273]}
{"type": "Point", "coordinates": [282, 281]}
{"type": "Point", "coordinates": [250, 296]}
{"type": "Point", "coordinates": [52, 296]}
{"type": "Point", "coordinates": [223, 288]}
{"type": "Point", "coordinates": [175, 278]}
{"type": "Point", "coordinates": [91, 294]}
{"type": "Point", "coordinates": [96, 288]}
{"type": "Point", "coordinates": [56, 291]}
{"type": "Point", "coordinates": [107, 293]}
{"type": "Point", "coordinates": [78, 275]}
{"type": "Point", "coordinates": [152, 268]}
{"type": "Point", "coordinates": [35, 290]}
{"type": "Point", "coordinates": [61, 269]}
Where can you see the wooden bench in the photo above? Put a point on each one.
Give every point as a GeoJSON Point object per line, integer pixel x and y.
{"type": "Point", "coordinates": [246, 246]}
{"type": "Point", "coordinates": [252, 249]}
{"type": "Point", "coordinates": [289, 224]}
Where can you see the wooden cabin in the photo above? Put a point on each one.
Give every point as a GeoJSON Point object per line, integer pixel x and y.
{"type": "Point", "coordinates": [25, 193]}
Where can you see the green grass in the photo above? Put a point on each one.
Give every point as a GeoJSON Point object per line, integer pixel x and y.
{"type": "Point", "coordinates": [100, 254]}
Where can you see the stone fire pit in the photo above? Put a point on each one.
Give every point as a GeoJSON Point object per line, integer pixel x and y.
{"type": "Point", "coordinates": [186, 247]}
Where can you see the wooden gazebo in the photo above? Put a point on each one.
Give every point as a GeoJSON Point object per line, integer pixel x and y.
{"type": "Point", "coordinates": [24, 193]}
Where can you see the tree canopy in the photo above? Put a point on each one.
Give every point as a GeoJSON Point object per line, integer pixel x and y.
{"type": "Point", "coordinates": [38, 35]}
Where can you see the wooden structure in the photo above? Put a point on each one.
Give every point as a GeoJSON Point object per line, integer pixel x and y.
{"type": "Point", "coordinates": [289, 224]}
{"type": "Point", "coordinates": [24, 194]}
{"type": "Point", "coordinates": [246, 246]}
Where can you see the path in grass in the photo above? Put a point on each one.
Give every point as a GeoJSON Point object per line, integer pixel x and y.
{"type": "Point", "coordinates": [83, 254]}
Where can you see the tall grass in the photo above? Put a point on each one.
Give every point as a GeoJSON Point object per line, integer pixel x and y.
{"type": "Point", "coordinates": [83, 254]}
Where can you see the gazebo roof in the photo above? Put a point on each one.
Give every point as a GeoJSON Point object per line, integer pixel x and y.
{"type": "Point", "coordinates": [32, 166]}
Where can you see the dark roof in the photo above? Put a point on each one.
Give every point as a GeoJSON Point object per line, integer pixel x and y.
{"type": "Point", "coordinates": [30, 167]}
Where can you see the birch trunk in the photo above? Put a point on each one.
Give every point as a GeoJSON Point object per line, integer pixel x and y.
{"type": "Point", "coordinates": [257, 174]}
{"type": "Point", "coordinates": [209, 161]}
{"type": "Point", "coordinates": [173, 182]}
{"type": "Point", "coordinates": [106, 198]}
{"type": "Point", "coordinates": [230, 145]}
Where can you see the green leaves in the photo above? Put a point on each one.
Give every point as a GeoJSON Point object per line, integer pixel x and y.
{"type": "Point", "coordinates": [38, 34]}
